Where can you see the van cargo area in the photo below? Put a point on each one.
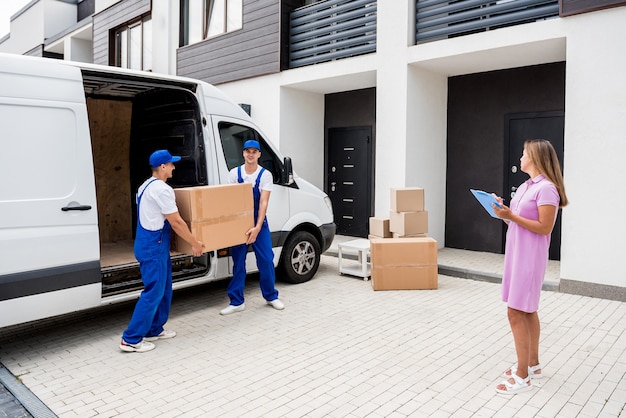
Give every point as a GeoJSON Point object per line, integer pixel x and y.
{"type": "Point", "coordinates": [129, 119]}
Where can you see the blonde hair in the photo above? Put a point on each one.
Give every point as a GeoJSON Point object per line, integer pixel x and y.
{"type": "Point", "coordinates": [543, 156]}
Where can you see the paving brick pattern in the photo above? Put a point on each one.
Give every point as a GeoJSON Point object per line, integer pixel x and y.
{"type": "Point", "coordinates": [339, 349]}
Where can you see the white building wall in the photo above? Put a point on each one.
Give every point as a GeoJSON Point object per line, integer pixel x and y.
{"type": "Point", "coordinates": [593, 232]}
{"type": "Point", "coordinates": [76, 49]}
{"type": "Point", "coordinates": [165, 32]}
{"type": "Point", "coordinates": [391, 102]}
{"type": "Point", "coordinates": [302, 133]}
{"type": "Point", "coordinates": [426, 142]}
{"type": "Point", "coordinates": [58, 16]}
{"type": "Point", "coordinates": [27, 30]}
{"type": "Point", "coordinates": [42, 19]}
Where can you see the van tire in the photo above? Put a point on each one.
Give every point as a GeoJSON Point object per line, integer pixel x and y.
{"type": "Point", "coordinates": [300, 258]}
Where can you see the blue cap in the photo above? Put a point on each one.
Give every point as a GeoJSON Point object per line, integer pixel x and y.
{"type": "Point", "coordinates": [251, 143]}
{"type": "Point", "coordinates": [162, 156]}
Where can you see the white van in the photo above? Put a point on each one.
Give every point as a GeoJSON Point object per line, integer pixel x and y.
{"type": "Point", "coordinates": [75, 140]}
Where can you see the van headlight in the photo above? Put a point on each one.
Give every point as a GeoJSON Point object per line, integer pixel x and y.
{"type": "Point", "coordinates": [329, 204]}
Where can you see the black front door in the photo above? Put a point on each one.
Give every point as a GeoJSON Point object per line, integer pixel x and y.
{"type": "Point", "coordinates": [518, 128]}
{"type": "Point", "coordinates": [348, 178]}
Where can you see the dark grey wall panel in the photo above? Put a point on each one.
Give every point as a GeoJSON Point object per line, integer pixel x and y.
{"type": "Point", "coordinates": [350, 108]}
{"type": "Point", "coordinates": [111, 18]}
{"type": "Point", "coordinates": [477, 105]}
{"type": "Point", "coordinates": [252, 51]}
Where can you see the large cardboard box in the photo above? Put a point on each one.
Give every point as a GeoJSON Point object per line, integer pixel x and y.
{"type": "Point", "coordinates": [408, 223]}
{"type": "Point", "coordinates": [219, 216]}
{"type": "Point", "coordinates": [407, 199]}
{"type": "Point", "coordinates": [380, 227]}
{"type": "Point", "coordinates": [404, 263]}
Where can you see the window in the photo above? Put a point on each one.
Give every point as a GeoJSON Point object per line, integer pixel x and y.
{"type": "Point", "coordinates": [233, 136]}
{"type": "Point", "coordinates": [203, 19]}
{"type": "Point", "coordinates": [133, 45]}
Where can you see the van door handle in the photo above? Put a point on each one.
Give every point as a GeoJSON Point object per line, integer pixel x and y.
{"type": "Point", "coordinates": [75, 207]}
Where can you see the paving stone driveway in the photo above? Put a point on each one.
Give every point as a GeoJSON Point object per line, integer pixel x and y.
{"type": "Point", "coordinates": [339, 349]}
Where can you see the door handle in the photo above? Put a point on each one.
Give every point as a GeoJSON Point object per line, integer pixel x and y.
{"type": "Point", "coordinates": [75, 206]}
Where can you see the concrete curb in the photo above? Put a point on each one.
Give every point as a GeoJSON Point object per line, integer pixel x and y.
{"type": "Point", "coordinates": [463, 273]}
{"type": "Point", "coordinates": [24, 396]}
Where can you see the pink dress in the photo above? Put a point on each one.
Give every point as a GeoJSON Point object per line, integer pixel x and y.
{"type": "Point", "coordinates": [526, 253]}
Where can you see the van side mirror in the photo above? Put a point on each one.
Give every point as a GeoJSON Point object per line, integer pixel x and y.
{"type": "Point", "coordinates": [287, 174]}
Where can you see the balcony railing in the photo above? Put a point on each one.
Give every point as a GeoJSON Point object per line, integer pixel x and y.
{"type": "Point", "coordinates": [331, 30]}
{"type": "Point", "coordinates": [441, 19]}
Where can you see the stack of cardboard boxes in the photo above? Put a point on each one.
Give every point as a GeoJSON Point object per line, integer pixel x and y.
{"type": "Point", "coordinates": [407, 217]}
{"type": "Point", "coordinates": [402, 256]}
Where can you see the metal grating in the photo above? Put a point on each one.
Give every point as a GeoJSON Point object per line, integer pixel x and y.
{"type": "Point", "coordinates": [331, 30]}
{"type": "Point", "coordinates": [442, 19]}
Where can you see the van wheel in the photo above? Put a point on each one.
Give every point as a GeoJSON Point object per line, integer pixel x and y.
{"type": "Point", "coordinates": [300, 258]}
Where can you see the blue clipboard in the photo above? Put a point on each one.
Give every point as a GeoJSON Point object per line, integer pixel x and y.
{"type": "Point", "coordinates": [486, 200]}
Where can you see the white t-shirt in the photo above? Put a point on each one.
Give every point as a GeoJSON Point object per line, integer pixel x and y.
{"type": "Point", "coordinates": [266, 183]}
{"type": "Point", "coordinates": [157, 201]}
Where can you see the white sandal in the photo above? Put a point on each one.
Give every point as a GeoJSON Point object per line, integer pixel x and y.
{"type": "Point", "coordinates": [532, 371]}
{"type": "Point", "coordinates": [520, 385]}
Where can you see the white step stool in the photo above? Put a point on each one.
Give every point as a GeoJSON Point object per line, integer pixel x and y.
{"type": "Point", "coordinates": [362, 249]}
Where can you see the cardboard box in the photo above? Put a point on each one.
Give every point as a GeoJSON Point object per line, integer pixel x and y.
{"type": "Point", "coordinates": [408, 199]}
{"type": "Point", "coordinates": [396, 235]}
{"type": "Point", "coordinates": [380, 227]}
{"type": "Point", "coordinates": [404, 263]}
{"type": "Point", "coordinates": [405, 278]}
{"type": "Point", "coordinates": [219, 216]}
{"type": "Point", "coordinates": [408, 223]}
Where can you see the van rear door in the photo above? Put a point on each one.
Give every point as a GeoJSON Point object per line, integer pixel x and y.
{"type": "Point", "coordinates": [48, 224]}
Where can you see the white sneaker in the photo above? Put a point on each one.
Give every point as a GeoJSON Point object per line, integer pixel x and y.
{"type": "Point", "coordinates": [140, 347]}
{"type": "Point", "coordinates": [232, 309]}
{"type": "Point", "coordinates": [276, 304]}
{"type": "Point", "coordinates": [165, 334]}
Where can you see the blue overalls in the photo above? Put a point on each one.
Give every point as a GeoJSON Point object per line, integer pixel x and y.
{"type": "Point", "coordinates": [264, 256]}
{"type": "Point", "coordinates": [152, 250]}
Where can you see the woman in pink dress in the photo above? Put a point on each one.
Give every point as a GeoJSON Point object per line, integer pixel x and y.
{"type": "Point", "coordinates": [530, 219]}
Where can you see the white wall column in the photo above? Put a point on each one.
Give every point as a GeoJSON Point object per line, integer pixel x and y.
{"type": "Point", "coordinates": [391, 101]}
{"type": "Point", "coordinates": [593, 230]}
{"type": "Point", "coordinates": [426, 144]}
{"type": "Point", "coordinates": [76, 49]}
{"type": "Point", "coordinates": [165, 28]}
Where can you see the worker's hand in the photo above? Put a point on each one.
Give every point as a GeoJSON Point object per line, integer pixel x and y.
{"type": "Point", "coordinates": [196, 248]}
{"type": "Point", "coordinates": [252, 234]}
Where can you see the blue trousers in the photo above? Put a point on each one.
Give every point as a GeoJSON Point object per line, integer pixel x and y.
{"type": "Point", "coordinates": [152, 249]}
{"type": "Point", "coordinates": [265, 263]}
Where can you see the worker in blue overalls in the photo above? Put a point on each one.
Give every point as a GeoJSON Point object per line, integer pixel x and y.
{"type": "Point", "coordinates": [259, 235]}
{"type": "Point", "coordinates": [157, 215]}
